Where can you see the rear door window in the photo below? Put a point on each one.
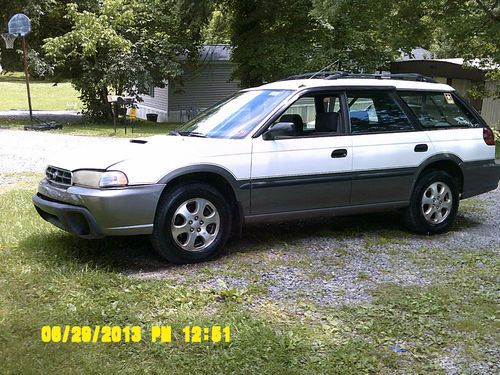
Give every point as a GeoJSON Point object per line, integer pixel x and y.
{"type": "Point", "coordinates": [439, 110]}
{"type": "Point", "coordinates": [376, 112]}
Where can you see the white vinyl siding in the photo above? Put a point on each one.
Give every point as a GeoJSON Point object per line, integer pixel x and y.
{"type": "Point", "coordinates": [157, 104]}
{"type": "Point", "coordinates": [490, 109]}
{"type": "Point", "coordinates": [158, 101]}
{"type": "Point", "coordinates": [201, 88]}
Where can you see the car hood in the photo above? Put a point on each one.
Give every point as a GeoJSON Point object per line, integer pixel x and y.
{"type": "Point", "coordinates": [153, 153]}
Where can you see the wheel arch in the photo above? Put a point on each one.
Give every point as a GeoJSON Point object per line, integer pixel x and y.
{"type": "Point", "coordinates": [216, 176]}
{"type": "Point", "coordinates": [447, 162]}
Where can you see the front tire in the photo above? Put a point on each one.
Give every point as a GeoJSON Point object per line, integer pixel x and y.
{"type": "Point", "coordinates": [192, 224]}
{"type": "Point", "coordinates": [434, 203]}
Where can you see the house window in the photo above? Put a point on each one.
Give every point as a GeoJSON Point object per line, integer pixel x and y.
{"type": "Point", "coordinates": [151, 90]}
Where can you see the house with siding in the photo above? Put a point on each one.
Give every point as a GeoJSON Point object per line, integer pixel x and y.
{"type": "Point", "coordinates": [199, 88]}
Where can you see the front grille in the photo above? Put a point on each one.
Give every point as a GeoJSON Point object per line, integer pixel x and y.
{"type": "Point", "coordinates": [58, 175]}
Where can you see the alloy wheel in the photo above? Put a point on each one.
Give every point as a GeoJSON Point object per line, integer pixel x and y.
{"type": "Point", "coordinates": [195, 224]}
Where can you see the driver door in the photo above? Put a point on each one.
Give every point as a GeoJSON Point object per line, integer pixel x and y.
{"type": "Point", "coordinates": [309, 170]}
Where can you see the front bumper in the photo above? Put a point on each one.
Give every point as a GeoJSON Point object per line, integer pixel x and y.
{"type": "Point", "coordinates": [95, 213]}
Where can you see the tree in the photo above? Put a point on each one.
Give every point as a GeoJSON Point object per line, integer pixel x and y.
{"type": "Point", "coordinates": [131, 45]}
{"type": "Point", "coordinates": [271, 39]}
{"type": "Point", "coordinates": [367, 35]}
{"type": "Point", "coordinates": [126, 46]}
{"type": "Point", "coordinates": [280, 38]}
{"type": "Point", "coordinates": [469, 29]}
{"type": "Point", "coordinates": [47, 20]}
{"type": "Point", "coordinates": [217, 31]}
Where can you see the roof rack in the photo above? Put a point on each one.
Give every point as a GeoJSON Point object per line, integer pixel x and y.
{"type": "Point", "coordinates": [340, 74]}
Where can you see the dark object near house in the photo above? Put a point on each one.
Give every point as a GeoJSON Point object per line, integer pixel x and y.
{"type": "Point", "coordinates": [121, 111]}
{"type": "Point", "coordinates": [44, 126]}
{"type": "Point", "coordinates": [120, 106]}
{"type": "Point", "coordinates": [153, 117]}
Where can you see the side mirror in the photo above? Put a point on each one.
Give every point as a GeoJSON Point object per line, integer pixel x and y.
{"type": "Point", "coordinates": [279, 129]}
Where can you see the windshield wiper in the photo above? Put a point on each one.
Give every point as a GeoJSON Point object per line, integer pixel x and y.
{"type": "Point", "coordinates": [196, 134]}
{"type": "Point", "coordinates": [187, 134]}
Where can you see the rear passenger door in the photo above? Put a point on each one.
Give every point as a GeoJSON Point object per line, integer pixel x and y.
{"type": "Point", "coordinates": [387, 148]}
{"type": "Point", "coordinates": [449, 124]}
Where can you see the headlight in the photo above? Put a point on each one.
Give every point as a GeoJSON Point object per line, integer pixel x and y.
{"type": "Point", "coordinates": [87, 178]}
{"type": "Point", "coordinates": [113, 178]}
{"type": "Point", "coordinates": [98, 179]}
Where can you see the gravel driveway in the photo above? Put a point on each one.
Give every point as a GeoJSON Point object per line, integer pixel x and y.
{"type": "Point", "coordinates": [26, 151]}
{"type": "Point", "coordinates": [57, 116]}
{"type": "Point", "coordinates": [327, 262]}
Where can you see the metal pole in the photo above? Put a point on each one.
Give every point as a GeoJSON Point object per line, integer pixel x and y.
{"type": "Point", "coordinates": [27, 76]}
{"type": "Point", "coordinates": [114, 115]}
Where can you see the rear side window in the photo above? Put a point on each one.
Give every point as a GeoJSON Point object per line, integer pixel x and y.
{"type": "Point", "coordinates": [375, 112]}
{"type": "Point", "coordinates": [438, 110]}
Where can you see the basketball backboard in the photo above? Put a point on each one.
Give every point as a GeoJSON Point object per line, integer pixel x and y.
{"type": "Point", "coordinates": [20, 25]}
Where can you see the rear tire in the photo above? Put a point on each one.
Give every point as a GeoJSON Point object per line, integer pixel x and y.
{"type": "Point", "coordinates": [192, 224]}
{"type": "Point", "coordinates": [434, 203]}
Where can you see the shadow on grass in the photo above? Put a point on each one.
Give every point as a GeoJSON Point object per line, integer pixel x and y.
{"type": "Point", "coordinates": [117, 254]}
{"type": "Point", "coordinates": [135, 253]}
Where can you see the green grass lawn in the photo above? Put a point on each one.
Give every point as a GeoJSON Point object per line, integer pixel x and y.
{"type": "Point", "coordinates": [142, 128]}
{"type": "Point", "coordinates": [48, 277]}
{"type": "Point", "coordinates": [44, 95]}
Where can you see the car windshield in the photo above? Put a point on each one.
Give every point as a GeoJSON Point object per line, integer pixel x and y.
{"type": "Point", "coordinates": [235, 116]}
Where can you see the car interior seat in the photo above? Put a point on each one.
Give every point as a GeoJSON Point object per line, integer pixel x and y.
{"type": "Point", "coordinates": [327, 122]}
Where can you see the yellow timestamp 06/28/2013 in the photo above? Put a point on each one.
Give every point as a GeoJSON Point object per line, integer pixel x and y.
{"type": "Point", "coordinates": [133, 334]}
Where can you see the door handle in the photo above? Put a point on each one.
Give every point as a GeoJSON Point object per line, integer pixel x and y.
{"type": "Point", "coordinates": [421, 148]}
{"type": "Point", "coordinates": [340, 153]}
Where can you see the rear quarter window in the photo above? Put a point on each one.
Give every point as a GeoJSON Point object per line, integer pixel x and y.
{"type": "Point", "coordinates": [439, 110]}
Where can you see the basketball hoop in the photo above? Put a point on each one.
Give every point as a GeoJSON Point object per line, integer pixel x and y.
{"type": "Point", "coordinates": [9, 40]}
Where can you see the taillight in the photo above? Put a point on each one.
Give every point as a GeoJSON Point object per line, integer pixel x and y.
{"type": "Point", "coordinates": [488, 136]}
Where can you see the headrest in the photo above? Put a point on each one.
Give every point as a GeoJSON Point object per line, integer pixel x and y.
{"type": "Point", "coordinates": [327, 121]}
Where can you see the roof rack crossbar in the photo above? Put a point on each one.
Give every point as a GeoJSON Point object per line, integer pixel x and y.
{"type": "Point", "coordinates": [341, 74]}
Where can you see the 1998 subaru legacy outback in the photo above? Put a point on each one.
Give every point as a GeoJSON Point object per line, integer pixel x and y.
{"type": "Point", "coordinates": [339, 144]}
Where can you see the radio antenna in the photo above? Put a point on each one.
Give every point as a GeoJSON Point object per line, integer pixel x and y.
{"type": "Point", "coordinates": [322, 70]}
